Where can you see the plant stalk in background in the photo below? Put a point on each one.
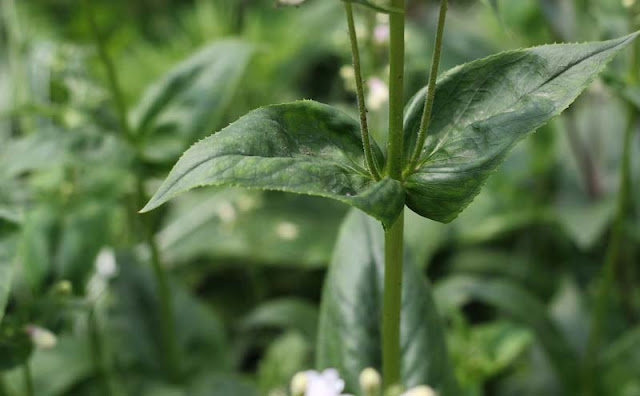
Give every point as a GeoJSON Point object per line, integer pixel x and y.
{"type": "Point", "coordinates": [168, 333]}
{"type": "Point", "coordinates": [614, 254]}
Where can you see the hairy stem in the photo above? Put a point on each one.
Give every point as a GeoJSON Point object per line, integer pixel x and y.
{"type": "Point", "coordinates": [394, 235]}
{"type": "Point", "coordinates": [364, 128]}
{"type": "Point", "coordinates": [431, 90]}
{"type": "Point", "coordinates": [168, 334]}
{"type": "Point", "coordinates": [616, 241]}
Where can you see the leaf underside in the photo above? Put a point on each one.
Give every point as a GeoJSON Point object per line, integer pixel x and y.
{"type": "Point", "coordinates": [302, 147]}
{"type": "Point", "coordinates": [349, 329]}
{"type": "Point", "coordinates": [483, 108]}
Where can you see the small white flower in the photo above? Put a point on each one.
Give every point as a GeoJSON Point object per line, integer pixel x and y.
{"type": "Point", "coordinates": [226, 212]}
{"type": "Point", "coordinates": [287, 231]}
{"type": "Point", "coordinates": [289, 2]}
{"type": "Point", "coordinates": [41, 337]}
{"type": "Point", "coordinates": [381, 34]}
{"type": "Point", "coordinates": [327, 383]}
{"type": "Point", "coordinates": [421, 390]}
{"type": "Point", "coordinates": [378, 93]}
{"type": "Point", "coordinates": [299, 384]}
{"type": "Point", "coordinates": [348, 75]}
{"type": "Point", "coordinates": [105, 263]}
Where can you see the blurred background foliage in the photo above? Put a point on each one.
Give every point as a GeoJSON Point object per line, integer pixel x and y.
{"type": "Point", "coordinates": [516, 276]}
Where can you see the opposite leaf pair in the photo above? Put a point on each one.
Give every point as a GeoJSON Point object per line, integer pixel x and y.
{"type": "Point", "coordinates": [482, 109]}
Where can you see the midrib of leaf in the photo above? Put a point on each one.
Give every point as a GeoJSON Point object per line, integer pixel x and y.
{"type": "Point", "coordinates": [566, 69]}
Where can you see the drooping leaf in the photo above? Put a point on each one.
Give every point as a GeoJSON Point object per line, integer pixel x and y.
{"type": "Point", "coordinates": [377, 5]}
{"type": "Point", "coordinates": [482, 109]}
{"type": "Point", "coordinates": [349, 330]}
{"type": "Point", "coordinates": [190, 100]}
{"type": "Point", "coordinates": [285, 356]}
{"type": "Point", "coordinates": [521, 306]}
{"type": "Point", "coordinates": [302, 147]}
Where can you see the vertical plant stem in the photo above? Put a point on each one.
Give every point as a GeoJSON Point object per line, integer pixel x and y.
{"type": "Point", "coordinates": [616, 241]}
{"type": "Point", "coordinates": [169, 339]}
{"type": "Point", "coordinates": [362, 110]}
{"type": "Point", "coordinates": [100, 362]}
{"type": "Point", "coordinates": [28, 379]}
{"type": "Point", "coordinates": [19, 84]}
{"type": "Point", "coordinates": [110, 70]}
{"type": "Point", "coordinates": [394, 235]}
{"type": "Point", "coordinates": [393, 263]}
{"type": "Point", "coordinates": [431, 90]}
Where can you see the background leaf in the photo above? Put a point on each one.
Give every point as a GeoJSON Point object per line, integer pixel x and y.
{"type": "Point", "coordinates": [349, 333]}
{"type": "Point", "coordinates": [191, 99]}
{"type": "Point", "coordinates": [302, 147]}
{"type": "Point", "coordinates": [482, 109]}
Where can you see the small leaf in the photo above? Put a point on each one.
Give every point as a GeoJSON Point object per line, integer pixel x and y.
{"type": "Point", "coordinates": [190, 100]}
{"type": "Point", "coordinates": [377, 5]}
{"type": "Point", "coordinates": [301, 147]}
{"type": "Point", "coordinates": [482, 109]}
{"type": "Point", "coordinates": [349, 330]}
{"type": "Point", "coordinates": [519, 304]}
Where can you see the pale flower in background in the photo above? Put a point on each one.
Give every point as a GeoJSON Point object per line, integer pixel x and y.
{"type": "Point", "coordinates": [378, 93]}
{"type": "Point", "coordinates": [381, 34]}
{"type": "Point", "coordinates": [421, 390]}
{"type": "Point", "coordinates": [287, 231]}
{"type": "Point", "coordinates": [289, 2]}
{"type": "Point", "coordinates": [106, 266]}
{"type": "Point", "coordinates": [41, 337]}
{"type": "Point", "coordinates": [628, 3]}
{"type": "Point", "coordinates": [348, 75]}
{"type": "Point", "coordinates": [227, 212]}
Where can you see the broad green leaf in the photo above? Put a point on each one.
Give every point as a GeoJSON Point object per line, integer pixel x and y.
{"type": "Point", "coordinates": [302, 147]}
{"type": "Point", "coordinates": [247, 224]}
{"type": "Point", "coordinates": [285, 356]}
{"type": "Point", "coordinates": [521, 306]}
{"type": "Point", "coordinates": [349, 330]}
{"type": "Point", "coordinates": [285, 313]}
{"type": "Point", "coordinates": [482, 109]}
{"type": "Point", "coordinates": [15, 344]}
{"type": "Point", "coordinates": [71, 352]}
{"type": "Point", "coordinates": [190, 100]}
{"type": "Point", "coordinates": [377, 5]}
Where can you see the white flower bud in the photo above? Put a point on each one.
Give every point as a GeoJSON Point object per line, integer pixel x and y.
{"type": "Point", "coordinates": [41, 337]}
{"type": "Point", "coordinates": [370, 381]}
{"type": "Point", "coordinates": [299, 384]}
{"type": "Point", "coordinates": [421, 390]}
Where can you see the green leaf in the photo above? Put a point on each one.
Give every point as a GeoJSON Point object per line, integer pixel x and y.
{"type": "Point", "coordinates": [285, 313]}
{"type": "Point", "coordinates": [15, 345]}
{"type": "Point", "coordinates": [285, 356]}
{"type": "Point", "coordinates": [7, 249]}
{"type": "Point", "coordinates": [483, 108]}
{"type": "Point", "coordinates": [190, 100]}
{"type": "Point", "coordinates": [520, 305]}
{"type": "Point", "coordinates": [302, 147]}
{"type": "Point", "coordinates": [378, 5]}
{"type": "Point", "coordinates": [349, 330]}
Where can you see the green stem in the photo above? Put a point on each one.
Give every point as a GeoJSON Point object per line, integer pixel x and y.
{"type": "Point", "coordinates": [614, 249]}
{"type": "Point", "coordinates": [110, 69]}
{"type": "Point", "coordinates": [98, 353]}
{"type": "Point", "coordinates": [168, 334]}
{"type": "Point", "coordinates": [16, 45]}
{"type": "Point", "coordinates": [431, 90]}
{"type": "Point", "coordinates": [394, 235]}
{"type": "Point", "coordinates": [364, 128]}
{"type": "Point", "coordinates": [28, 379]}
{"type": "Point", "coordinates": [169, 339]}
{"type": "Point", "coordinates": [393, 263]}
{"type": "Point", "coordinates": [396, 92]}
